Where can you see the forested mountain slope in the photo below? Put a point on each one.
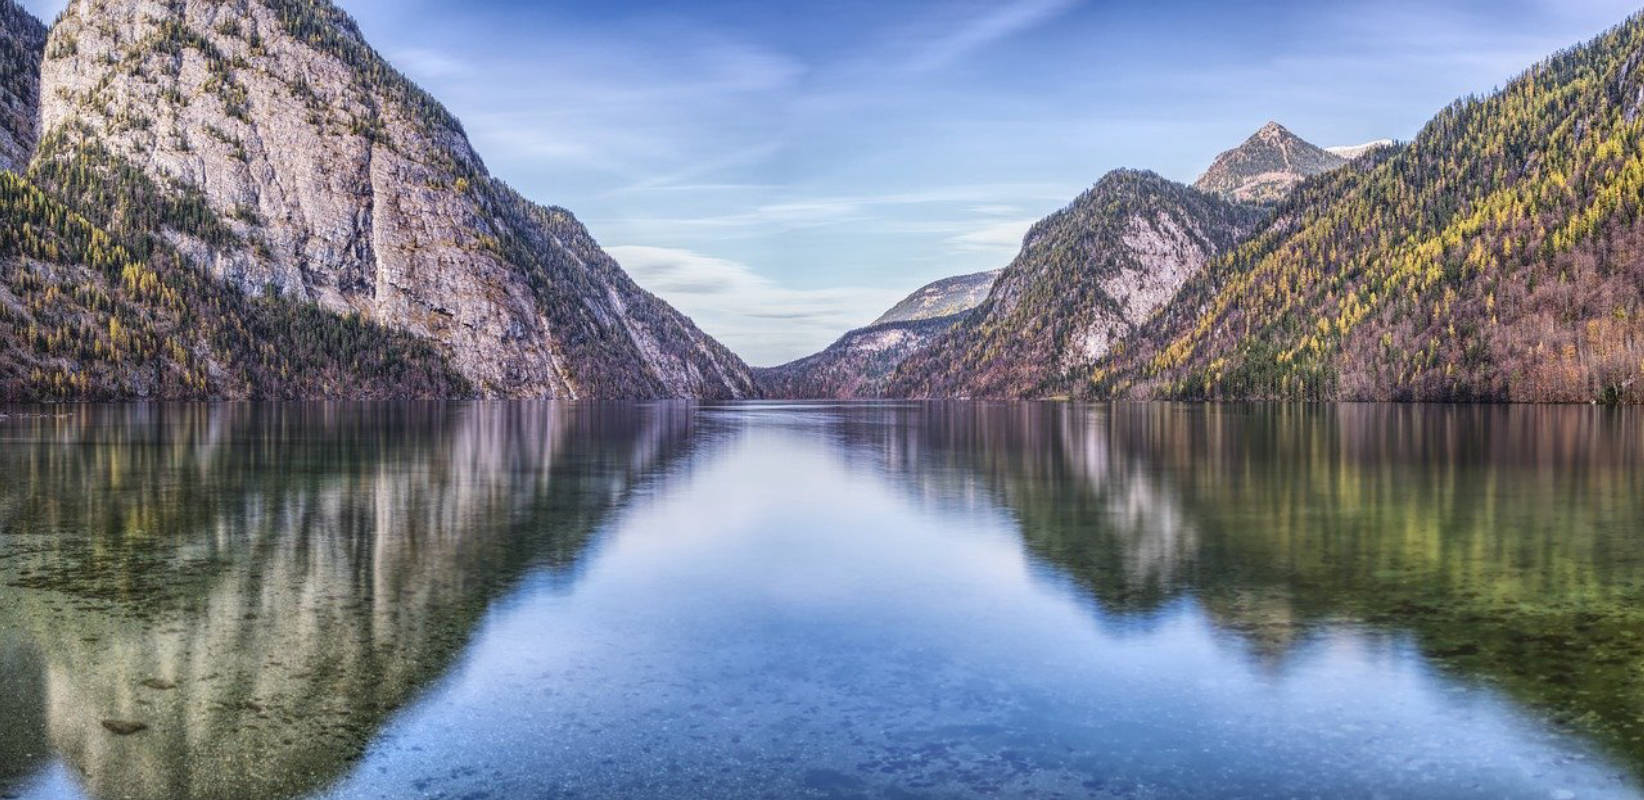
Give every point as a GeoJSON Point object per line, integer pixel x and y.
{"type": "Point", "coordinates": [1086, 277]}
{"type": "Point", "coordinates": [268, 145]}
{"type": "Point", "coordinates": [1499, 256]}
{"type": "Point", "coordinates": [82, 317]}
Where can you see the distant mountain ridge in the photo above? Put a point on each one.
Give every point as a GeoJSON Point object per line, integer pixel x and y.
{"type": "Point", "coordinates": [859, 365]}
{"type": "Point", "coordinates": [1357, 151]}
{"type": "Point", "coordinates": [1267, 166]}
{"type": "Point", "coordinates": [943, 298]}
{"type": "Point", "coordinates": [863, 360]}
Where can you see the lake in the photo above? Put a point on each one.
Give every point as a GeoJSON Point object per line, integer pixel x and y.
{"type": "Point", "coordinates": [519, 600]}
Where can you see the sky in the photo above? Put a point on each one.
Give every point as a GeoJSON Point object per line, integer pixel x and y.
{"type": "Point", "coordinates": [784, 171]}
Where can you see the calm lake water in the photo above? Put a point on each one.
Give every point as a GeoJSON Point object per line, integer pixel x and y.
{"type": "Point", "coordinates": [820, 601]}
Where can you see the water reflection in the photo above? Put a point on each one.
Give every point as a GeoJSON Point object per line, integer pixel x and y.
{"type": "Point", "coordinates": [947, 600]}
{"type": "Point", "coordinates": [1506, 540]}
{"type": "Point", "coordinates": [263, 586]}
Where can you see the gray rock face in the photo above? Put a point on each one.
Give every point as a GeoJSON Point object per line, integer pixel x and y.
{"type": "Point", "coordinates": [329, 177]}
{"type": "Point", "coordinates": [22, 44]}
{"type": "Point", "coordinates": [1267, 167]}
{"type": "Point", "coordinates": [943, 298]}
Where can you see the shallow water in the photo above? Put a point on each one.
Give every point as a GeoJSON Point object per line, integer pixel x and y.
{"type": "Point", "coordinates": [499, 600]}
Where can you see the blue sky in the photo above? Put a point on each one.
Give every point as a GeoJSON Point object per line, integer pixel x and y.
{"type": "Point", "coordinates": [784, 171]}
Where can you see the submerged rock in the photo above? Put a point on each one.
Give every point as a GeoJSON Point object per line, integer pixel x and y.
{"type": "Point", "coordinates": [120, 727]}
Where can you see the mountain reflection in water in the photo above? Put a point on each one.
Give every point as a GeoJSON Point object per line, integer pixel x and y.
{"type": "Point", "coordinates": [943, 600]}
{"type": "Point", "coordinates": [287, 576]}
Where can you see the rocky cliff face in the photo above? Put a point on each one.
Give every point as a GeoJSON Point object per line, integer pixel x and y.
{"type": "Point", "coordinates": [1267, 167]}
{"type": "Point", "coordinates": [943, 298]}
{"type": "Point", "coordinates": [83, 318]}
{"type": "Point", "coordinates": [22, 43]}
{"type": "Point", "coordinates": [271, 146]}
{"type": "Point", "coordinates": [1086, 278]}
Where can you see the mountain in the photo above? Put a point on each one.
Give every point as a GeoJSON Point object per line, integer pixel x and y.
{"type": "Point", "coordinates": [1357, 151]}
{"type": "Point", "coordinates": [1499, 256]}
{"type": "Point", "coordinates": [1087, 276]}
{"type": "Point", "coordinates": [83, 317]}
{"type": "Point", "coordinates": [1266, 167]}
{"type": "Point", "coordinates": [859, 364]}
{"type": "Point", "coordinates": [944, 298]}
{"type": "Point", "coordinates": [22, 45]}
{"type": "Point", "coordinates": [265, 143]}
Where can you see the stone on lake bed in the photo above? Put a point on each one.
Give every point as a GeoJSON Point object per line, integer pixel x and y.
{"type": "Point", "coordinates": [159, 685]}
{"type": "Point", "coordinates": [120, 727]}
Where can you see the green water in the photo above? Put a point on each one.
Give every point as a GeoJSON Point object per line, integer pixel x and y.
{"type": "Point", "coordinates": [497, 600]}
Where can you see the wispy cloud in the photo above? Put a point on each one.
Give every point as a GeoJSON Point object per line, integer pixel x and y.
{"type": "Point", "coordinates": [802, 212]}
{"type": "Point", "coordinates": [629, 106]}
{"type": "Point", "coordinates": [1001, 21]}
{"type": "Point", "coordinates": [1003, 237]}
{"type": "Point", "coordinates": [688, 176]}
{"type": "Point", "coordinates": [738, 306]}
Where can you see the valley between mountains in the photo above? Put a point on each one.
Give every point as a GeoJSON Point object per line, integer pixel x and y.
{"type": "Point", "coordinates": [231, 199]}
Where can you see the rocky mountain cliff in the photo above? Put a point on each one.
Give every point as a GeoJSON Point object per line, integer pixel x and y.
{"type": "Point", "coordinates": [1499, 256]}
{"type": "Point", "coordinates": [83, 316]}
{"type": "Point", "coordinates": [944, 298]}
{"type": "Point", "coordinates": [266, 143]}
{"type": "Point", "coordinates": [1267, 167]}
{"type": "Point", "coordinates": [22, 44]}
{"type": "Point", "coordinates": [1086, 278]}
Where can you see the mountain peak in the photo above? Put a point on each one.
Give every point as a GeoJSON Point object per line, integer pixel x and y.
{"type": "Point", "coordinates": [1267, 166]}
